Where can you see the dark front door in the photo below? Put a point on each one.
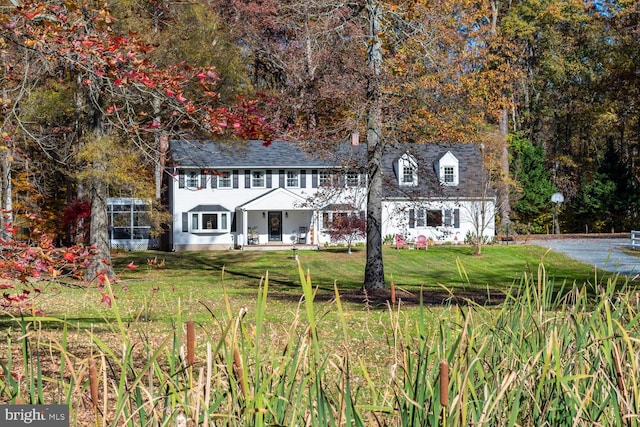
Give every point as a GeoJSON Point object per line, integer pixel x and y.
{"type": "Point", "coordinates": [275, 226]}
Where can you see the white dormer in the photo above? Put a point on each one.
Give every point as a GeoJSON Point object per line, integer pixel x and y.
{"type": "Point", "coordinates": [407, 171]}
{"type": "Point", "coordinates": [448, 170]}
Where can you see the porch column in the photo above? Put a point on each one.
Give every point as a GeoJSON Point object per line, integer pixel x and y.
{"type": "Point", "coordinates": [245, 219]}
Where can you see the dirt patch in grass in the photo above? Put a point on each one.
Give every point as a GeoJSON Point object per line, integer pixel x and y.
{"type": "Point", "coordinates": [381, 298]}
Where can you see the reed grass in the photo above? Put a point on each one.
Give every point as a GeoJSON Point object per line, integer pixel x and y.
{"type": "Point", "coordinates": [542, 358]}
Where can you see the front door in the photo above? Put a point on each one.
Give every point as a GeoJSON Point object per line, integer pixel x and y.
{"type": "Point", "coordinates": [275, 226]}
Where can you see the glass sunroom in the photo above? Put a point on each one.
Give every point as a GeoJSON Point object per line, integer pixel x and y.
{"type": "Point", "coordinates": [130, 224]}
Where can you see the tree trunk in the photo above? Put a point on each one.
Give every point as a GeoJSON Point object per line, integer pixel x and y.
{"type": "Point", "coordinates": [503, 198]}
{"type": "Point", "coordinates": [98, 193]}
{"type": "Point", "coordinates": [374, 269]}
{"type": "Point", "coordinates": [6, 197]}
{"type": "Point", "coordinates": [163, 145]}
{"type": "Point", "coordinates": [101, 262]}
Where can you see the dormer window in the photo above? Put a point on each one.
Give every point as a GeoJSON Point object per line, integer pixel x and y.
{"type": "Point", "coordinates": [449, 175]}
{"type": "Point", "coordinates": [448, 170]}
{"type": "Point", "coordinates": [407, 171]}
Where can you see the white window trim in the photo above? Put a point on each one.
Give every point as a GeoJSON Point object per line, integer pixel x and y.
{"type": "Point", "coordinates": [292, 174]}
{"type": "Point", "coordinates": [134, 226]}
{"type": "Point", "coordinates": [449, 175]}
{"type": "Point", "coordinates": [325, 179]}
{"type": "Point", "coordinates": [228, 178]}
{"type": "Point", "coordinates": [190, 177]}
{"type": "Point", "coordinates": [199, 223]}
{"type": "Point", "coordinates": [357, 180]}
{"type": "Point", "coordinates": [449, 161]}
{"type": "Point", "coordinates": [407, 162]}
{"type": "Point", "coordinates": [264, 178]}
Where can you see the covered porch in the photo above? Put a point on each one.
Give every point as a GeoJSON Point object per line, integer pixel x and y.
{"type": "Point", "coordinates": [277, 219]}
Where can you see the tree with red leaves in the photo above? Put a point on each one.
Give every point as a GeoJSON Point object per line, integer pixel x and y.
{"type": "Point", "coordinates": [28, 266]}
{"type": "Point", "coordinates": [347, 228]}
{"type": "Point", "coordinates": [111, 99]}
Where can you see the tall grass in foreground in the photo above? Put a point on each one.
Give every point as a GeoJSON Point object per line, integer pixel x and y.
{"type": "Point", "coordinates": [539, 359]}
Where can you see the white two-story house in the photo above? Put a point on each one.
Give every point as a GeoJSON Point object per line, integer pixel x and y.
{"type": "Point", "coordinates": [224, 196]}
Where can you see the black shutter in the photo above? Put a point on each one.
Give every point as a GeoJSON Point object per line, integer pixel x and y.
{"type": "Point", "coordinates": [303, 178]}
{"type": "Point", "coordinates": [456, 218]}
{"type": "Point", "coordinates": [181, 179]}
{"type": "Point", "coordinates": [412, 218]}
{"type": "Point", "coordinates": [235, 179]}
{"type": "Point", "coordinates": [203, 180]}
{"type": "Point", "coordinates": [185, 222]}
{"type": "Point", "coordinates": [448, 218]}
{"type": "Point", "coordinates": [269, 178]}
{"type": "Point", "coordinates": [247, 178]}
{"type": "Point", "coordinates": [214, 180]}
{"type": "Point", "coordinates": [281, 178]}
{"type": "Point", "coordinates": [314, 178]}
{"type": "Point", "coordinates": [233, 222]}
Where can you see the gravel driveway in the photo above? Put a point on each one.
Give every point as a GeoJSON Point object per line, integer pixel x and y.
{"type": "Point", "coordinates": [605, 254]}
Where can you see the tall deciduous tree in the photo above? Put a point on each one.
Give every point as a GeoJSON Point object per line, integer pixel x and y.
{"type": "Point", "coordinates": [577, 93]}
{"type": "Point", "coordinates": [118, 94]}
{"type": "Point", "coordinates": [413, 71]}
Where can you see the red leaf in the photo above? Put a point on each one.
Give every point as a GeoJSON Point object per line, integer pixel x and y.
{"type": "Point", "coordinates": [106, 299]}
{"type": "Point", "coordinates": [132, 266]}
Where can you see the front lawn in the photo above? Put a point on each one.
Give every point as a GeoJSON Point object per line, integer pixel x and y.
{"type": "Point", "coordinates": [518, 351]}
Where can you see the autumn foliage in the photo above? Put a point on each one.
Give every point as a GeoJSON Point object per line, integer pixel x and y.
{"type": "Point", "coordinates": [28, 264]}
{"type": "Point", "coordinates": [119, 70]}
{"type": "Point", "coordinates": [347, 228]}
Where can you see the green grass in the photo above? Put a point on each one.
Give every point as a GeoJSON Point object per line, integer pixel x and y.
{"type": "Point", "coordinates": [267, 356]}
{"type": "Point", "coordinates": [198, 279]}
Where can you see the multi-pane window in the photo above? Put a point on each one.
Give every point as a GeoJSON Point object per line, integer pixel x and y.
{"type": "Point", "coordinates": [449, 175]}
{"type": "Point", "coordinates": [224, 179]}
{"type": "Point", "coordinates": [293, 178]}
{"type": "Point", "coordinates": [408, 169]}
{"type": "Point", "coordinates": [192, 180]}
{"type": "Point", "coordinates": [324, 179]}
{"type": "Point", "coordinates": [257, 179]}
{"type": "Point", "coordinates": [129, 219]}
{"type": "Point", "coordinates": [408, 174]}
{"type": "Point", "coordinates": [352, 179]}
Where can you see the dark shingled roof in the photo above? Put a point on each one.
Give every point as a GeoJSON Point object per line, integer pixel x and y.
{"type": "Point", "coordinates": [248, 154]}
{"type": "Point", "coordinates": [285, 155]}
{"type": "Point", "coordinates": [471, 173]}
{"type": "Point", "coordinates": [209, 208]}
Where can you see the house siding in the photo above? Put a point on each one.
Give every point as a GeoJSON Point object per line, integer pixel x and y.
{"type": "Point", "coordinates": [250, 207]}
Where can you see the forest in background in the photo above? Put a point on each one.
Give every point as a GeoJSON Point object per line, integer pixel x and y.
{"type": "Point", "coordinates": [93, 90]}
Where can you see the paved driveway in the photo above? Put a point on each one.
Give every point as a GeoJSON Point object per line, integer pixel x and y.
{"type": "Point", "coordinates": [605, 254]}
